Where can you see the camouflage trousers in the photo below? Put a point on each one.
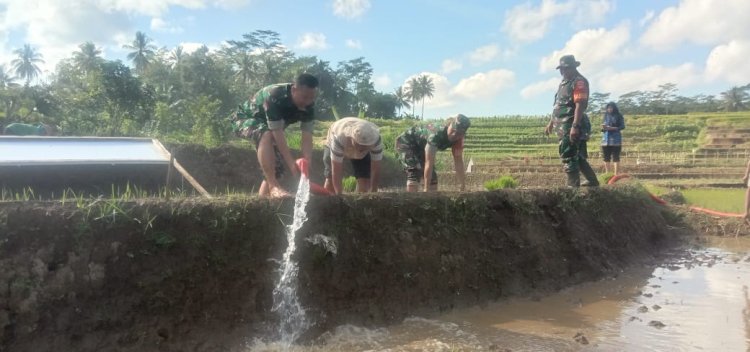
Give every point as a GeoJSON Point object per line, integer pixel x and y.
{"type": "Point", "coordinates": [412, 158]}
{"type": "Point", "coordinates": [569, 149]}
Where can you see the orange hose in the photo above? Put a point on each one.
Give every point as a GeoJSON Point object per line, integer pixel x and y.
{"type": "Point", "coordinates": [717, 213]}
{"type": "Point", "coordinates": [663, 202]}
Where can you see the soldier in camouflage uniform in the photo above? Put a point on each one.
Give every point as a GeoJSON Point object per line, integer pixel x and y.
{"type": "Point", "coordinates": [418, 145]}
{"type": "Point", "coordinates": [571, 101]}
{"type": "Point", "coordinates": [272, 109]}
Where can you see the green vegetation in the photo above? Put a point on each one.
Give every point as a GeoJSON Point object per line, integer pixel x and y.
{"type": "Point", "coordinates": [503, 182]}
{"type": "Point", "coordinates": [349, 183]}
{"type": "Point", "coordinates": [605, 177]}
{"type": "Point", "coordinates": [727, 200]}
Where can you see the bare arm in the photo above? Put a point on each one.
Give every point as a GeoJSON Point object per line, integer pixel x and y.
{"type": "Point", "coordinates": [280, 139]}
{"type": "Point", "coordinates": [307, 146]}
{"type": "Point", "coordinates": [374, 175]}
{"type": "Point", "coordinates": [577, 118]}
{"type": "Point", "coordinates": [458, 163]}
{"type": "Point", "coordinates": [429, 165]}
{"type": "Point", "coordinates": [337, 175]}
{"type": "Point", "coordinates": [747, 172]}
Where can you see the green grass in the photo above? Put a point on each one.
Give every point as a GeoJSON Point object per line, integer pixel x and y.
{"type": "Point", "coordinates": [726, 200]}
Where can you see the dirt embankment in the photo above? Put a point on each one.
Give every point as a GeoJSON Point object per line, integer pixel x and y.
{"type": "Point", "coordinates": [236, 169]}
{"type": "Point", "coordinates": [194, 275]}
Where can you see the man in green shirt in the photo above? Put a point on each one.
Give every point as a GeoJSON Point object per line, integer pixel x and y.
{"type": "Point", "coordinates": [272, 109]}
{"type": "Point", "coordinates": [23, 129]}
{"type": "Point", "coordinates": [418, 146]}
{"type": "Point", "coordinates": [571, 101]}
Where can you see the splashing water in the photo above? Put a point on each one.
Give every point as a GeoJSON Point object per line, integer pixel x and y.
{"type": "Point", "coordinates": [293, 321]}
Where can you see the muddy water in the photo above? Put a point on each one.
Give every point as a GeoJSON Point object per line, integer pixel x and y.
{"type": "Point", "coordinates": [696, 300]}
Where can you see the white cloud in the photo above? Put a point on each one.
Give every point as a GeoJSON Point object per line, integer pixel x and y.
{"type": "Point", "coordinates": [647, 18]}
{"type": "Point", "coordinates": [592, 11]}
{"type": "Point", "coordinates": [484, 85]}
{"type": "Point", "coordinates": [442, 96]}
{"type": "Point", "coordinates": [56, 28]}
{"type": "Point", "coordinates": [594, 48]}
{"type": "Point", "coordinates": [160, 25]}
{"type": "Point", "coordinates": [350, 9]}
{"type": "Point", "coordinates": [484, 54]}
{"type": "Point", "coordinates": [648, 78]}
{"type": "Point", "coordinates": [190, 47]}
{"type": "Point", "coordinates": [450, 65]}
{"type": "Point", "coordinates": [700, 22]}
{"type": "Point", "coordinates": [729, 62]}
{"type": "Point", "coordinates": [382, 82]}
{"type": "Point", "coordinates": [312, 41]}
{"type": "Point", "coordinates": [538, 88]}
{"type": "Point", "coordinates": [231, 4]}
{"type": "Point", "coordinates": [528, 23]}
{"type": "Point", "coordinates": [354, 44]}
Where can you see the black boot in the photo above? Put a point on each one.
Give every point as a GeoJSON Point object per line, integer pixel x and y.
{"type": "Point", "coordinates": [588, 173]}
{"type": "Point", "coordinates": [574, 179]}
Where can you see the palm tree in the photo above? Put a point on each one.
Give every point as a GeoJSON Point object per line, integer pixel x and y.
{"type": "Point", "coordinates": [414, 93]}
{"type": "Point", "coordinates": [6, 78]}
{"type": "Point", "coordinates": [144, 51]}
{"type": "Point", "coordinates": [426, 88]}
{"type": "Point", "coordinates": [26, 63]}
{"type": "Point", "coordinates": [402, 98]}
{"type": "Point", "coordinates": [245, 67]}
{"type": "Point", "coordinates": [735, 99]}
{"type": "Point", "coordinates": [177, 55]}
{"type": "Point", "coordinates": [88, 57]}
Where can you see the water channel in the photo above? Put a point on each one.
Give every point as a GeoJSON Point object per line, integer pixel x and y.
{"type": "Point", "coordinates": [695, 299]}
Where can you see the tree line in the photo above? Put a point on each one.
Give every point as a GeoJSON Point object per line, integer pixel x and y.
{"type": "Point", "coordinates": [188, 96]}
{"type": "Point", "coordinates": [665, 100]}
{"type": "Point", "coordinates": [170, 92]}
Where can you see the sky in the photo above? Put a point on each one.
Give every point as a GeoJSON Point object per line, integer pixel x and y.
{"type": "Point", "coordinates": [486, 57]}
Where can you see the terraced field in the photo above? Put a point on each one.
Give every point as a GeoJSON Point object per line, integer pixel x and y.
{"type": "Point", "coordinates": [691, 150]}
{"type": "Point", "coordinates": [675, 150]}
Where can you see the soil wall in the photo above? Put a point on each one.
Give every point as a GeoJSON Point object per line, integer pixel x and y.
{"type": "Point", "coordinates": [236, 169]}
{"type": "Point", "coordinates": [194, 275]}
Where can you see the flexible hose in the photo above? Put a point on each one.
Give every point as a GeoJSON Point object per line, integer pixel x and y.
{"type": "Point", "coordinates": [663, 202]}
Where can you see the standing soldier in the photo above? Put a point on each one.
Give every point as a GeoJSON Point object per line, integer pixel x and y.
{"type": "Point", "coordinates": [571, 101]}
{"type": "Point", "coordinates": [418, 145]}
{"type": "Point", "coordinates": [272, 109]}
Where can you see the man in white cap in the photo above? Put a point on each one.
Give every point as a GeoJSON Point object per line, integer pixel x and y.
{"type": "Point", "coordinates": [359, 141]}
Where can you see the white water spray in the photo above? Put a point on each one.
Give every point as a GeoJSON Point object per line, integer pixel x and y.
{"type": "Point", "coordinates": [293, 321]}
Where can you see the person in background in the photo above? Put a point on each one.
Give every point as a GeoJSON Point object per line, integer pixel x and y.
{"type": "Point", "coordinates": [571, 101]}
{"type": "Point", "coordinates": [359, 141]}
{"type": "Point", "coordinates": [418, 146]}
{"type": "Point", "coordinates": [272, 109]}
{"type": "Point", "coordinates": [23, 129]}
{"type": "Point", "coordinates": [612, 124]}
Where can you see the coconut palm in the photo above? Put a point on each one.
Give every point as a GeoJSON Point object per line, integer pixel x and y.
{"type": "Point", "coordinates": [245, 67]}
{"type": "Point", "coordinates": [6, 78]}
{"type": "Point", "coordinates": [426, 88]}
{"type": "Point", "coordinates": [177, 55]}
{"type": "Point", "coordinates": [414, 93]}
{"type": "Point", "coordinates": [87, 58]}
{"type": "Point", "coordinates": [26, 63]}
{"type": "Point", "coordinates": [735, 99]}
{"type": "Point", "coordinates": [143, 52]}
{"type": "Point", "coordinates": [402, 98]}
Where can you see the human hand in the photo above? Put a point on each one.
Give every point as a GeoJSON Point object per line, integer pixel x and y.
{"type": "Point", "coordinates": [548, 130]}
{"type": "Point", "coordinates": [574, 133]}
{"type": "Point", "coordinates": [294, 169]}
